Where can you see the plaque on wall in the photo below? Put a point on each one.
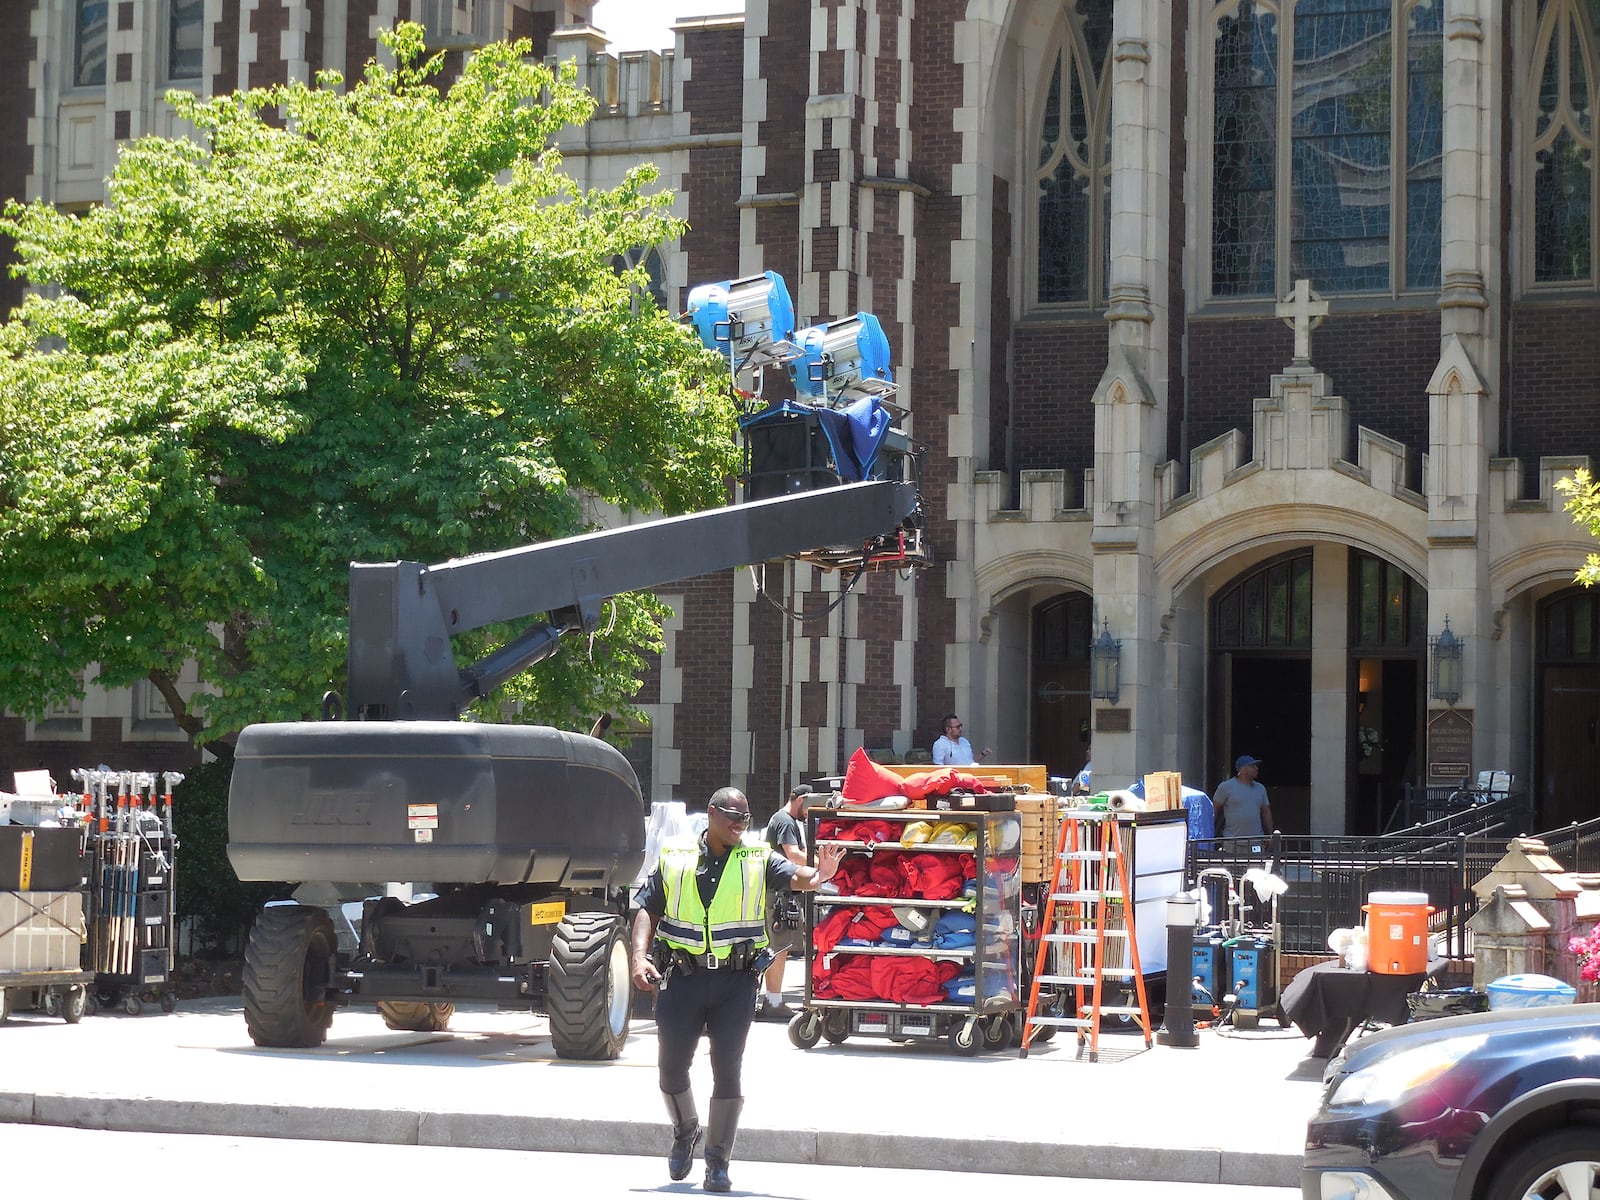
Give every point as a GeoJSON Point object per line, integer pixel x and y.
{"type": "Point", "coordinates": [1449, 746]}
{"type": "Point", "coordinates": [1113, 720]}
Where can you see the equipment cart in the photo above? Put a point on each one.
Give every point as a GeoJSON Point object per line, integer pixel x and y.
{"type": "Point", "coordinates": [922, 941]}
{"type": "Point", "coordinates": [41, 939]}
{"type": "Point", "coordinates": [131, 911]}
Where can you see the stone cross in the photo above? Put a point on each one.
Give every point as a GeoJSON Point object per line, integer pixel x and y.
{"type": "Point", "coordinates": [1304, 312]}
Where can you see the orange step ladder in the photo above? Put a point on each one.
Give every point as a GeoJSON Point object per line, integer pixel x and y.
{"type": "Point", "coordinates": [1086, 937]}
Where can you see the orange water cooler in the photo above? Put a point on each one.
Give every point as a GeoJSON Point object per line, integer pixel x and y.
{"type": "Point", "coordinates": [1397, 932]}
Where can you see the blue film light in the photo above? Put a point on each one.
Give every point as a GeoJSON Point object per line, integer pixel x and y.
{"type": "Point", "coordinates": [843, 360]}
{"type": "Point", "coordinates": [749, 321]}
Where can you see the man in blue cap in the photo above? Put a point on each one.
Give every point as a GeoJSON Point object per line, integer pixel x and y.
{"type": "Point", "coordinates": [1240, 804]}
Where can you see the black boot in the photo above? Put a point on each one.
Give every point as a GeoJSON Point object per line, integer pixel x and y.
{"type": "Point", "coordinates": [685, 1132]}
{"type": "Point", "coordinates": [719, 1142]}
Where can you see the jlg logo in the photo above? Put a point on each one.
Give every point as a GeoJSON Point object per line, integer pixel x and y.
{"type": "Point", "coordinates": [333, 810]}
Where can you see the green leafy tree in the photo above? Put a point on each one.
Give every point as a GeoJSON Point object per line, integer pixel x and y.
{"type": "Point", "coordinates": [362, 323]}
{"type": "Point", "coordinates": [1583, 502]}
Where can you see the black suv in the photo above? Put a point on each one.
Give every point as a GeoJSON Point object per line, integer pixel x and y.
{"type": "Point", "coordinates": [1491, 1106]}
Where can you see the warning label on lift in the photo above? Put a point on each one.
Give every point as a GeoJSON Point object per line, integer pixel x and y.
{"type": "Point", "coordinates": [422, 816]}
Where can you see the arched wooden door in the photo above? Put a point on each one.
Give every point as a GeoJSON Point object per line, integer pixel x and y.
{"type": "Point", "coordinates": [1059, 703]}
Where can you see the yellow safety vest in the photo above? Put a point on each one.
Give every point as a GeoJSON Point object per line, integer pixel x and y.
{"type": "Point", "coordinates": [737, 908]}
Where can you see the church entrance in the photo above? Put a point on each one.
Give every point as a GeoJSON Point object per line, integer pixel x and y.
{"type": "Point", "coordinates": [1261, 689]}
{"type": "Point", "coordinates": [1059, 700]}
{"type": "Point", "coordinates": [1569, 710]}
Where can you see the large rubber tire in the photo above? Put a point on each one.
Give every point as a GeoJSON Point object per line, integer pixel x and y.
{"type": "Point", "coordinates": [419, 1016]}
{"type": "Point", "coordinates": [288, 973]}
{"type": "Point", "coordinates": [1564, 1165]}
{"type": "Point", "coordinates": [589, 987]}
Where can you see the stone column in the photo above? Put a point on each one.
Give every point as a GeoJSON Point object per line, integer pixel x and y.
{"type": "Point", "coordinates": [1131, 401]}
{"type": "Point", "coordinates": [1463, 408]}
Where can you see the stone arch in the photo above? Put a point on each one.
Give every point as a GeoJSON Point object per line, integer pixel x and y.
{"type": "Point", "coordinates": [1190, 558]}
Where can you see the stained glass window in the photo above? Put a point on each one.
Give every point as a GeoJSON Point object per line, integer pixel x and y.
{"type": "Point", "coordinates": [89, 66]}
{"type": "Point", "coordinates": [1305, 135]}
{"type": "Point", "coordinates": [1390, 608]}
{"type": "Point", "coordinates": [1563, 142]}
{"type": "Point", "coordinates": [185, 34]}
{"type": "Point", "coordinates": [1270, 606]}
{"type": "Point", "coordinates": [1074, 162]}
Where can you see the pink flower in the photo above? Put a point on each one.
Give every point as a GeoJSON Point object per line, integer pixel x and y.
{"type": "Point", "coordinates": [1587, 948]}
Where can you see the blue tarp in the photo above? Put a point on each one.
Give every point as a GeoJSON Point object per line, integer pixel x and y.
{"type": "Point", "coordinates": [855, 433]}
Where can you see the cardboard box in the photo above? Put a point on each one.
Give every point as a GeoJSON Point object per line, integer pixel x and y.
{"type": "Point", "coordinates": [41, 931]}
{"type": "Point", "coordinates": [1163, 791]}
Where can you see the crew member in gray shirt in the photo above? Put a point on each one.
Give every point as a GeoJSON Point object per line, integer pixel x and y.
{"type": "Point", "coordinates": [1240, 804]}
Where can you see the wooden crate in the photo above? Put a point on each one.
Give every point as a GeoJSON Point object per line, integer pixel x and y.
{"type": "Point", "coordinates": [1041, 828]}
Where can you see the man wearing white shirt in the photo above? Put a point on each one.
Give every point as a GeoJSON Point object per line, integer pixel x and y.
{"type": "Point", "coordinates": [953, 750]}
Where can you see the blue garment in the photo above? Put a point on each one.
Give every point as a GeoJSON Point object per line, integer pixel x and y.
{"type": "Point", "coordinates": [1202, 822]}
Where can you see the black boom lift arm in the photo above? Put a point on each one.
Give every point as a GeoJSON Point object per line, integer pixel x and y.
{"type": "Point", "coordinates": [403, 615]}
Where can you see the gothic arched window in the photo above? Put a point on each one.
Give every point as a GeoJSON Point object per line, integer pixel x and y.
{"type": "Point", "coordinates": [1561, 154]}
{"type": "Point", "coordinates": [1072, 173]}
{"type": "Point", "coordinates": [1317, 170]}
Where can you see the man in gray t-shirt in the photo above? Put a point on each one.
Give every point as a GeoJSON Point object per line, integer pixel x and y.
{"type": "Point", "coordinates": [1240, 804]}
{"type": "Point", "coordinates": [785, 912]}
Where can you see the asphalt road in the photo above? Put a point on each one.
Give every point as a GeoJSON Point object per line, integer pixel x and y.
{"type": "Point", "coordinates": [61, 1161]}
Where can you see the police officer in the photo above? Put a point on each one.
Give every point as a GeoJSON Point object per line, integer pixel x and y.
{"type": "Point", "coordinates": [700, 935]}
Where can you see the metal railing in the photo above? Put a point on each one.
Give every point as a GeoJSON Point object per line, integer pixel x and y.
{"type": "Point", "coordinates": [1330, 877]}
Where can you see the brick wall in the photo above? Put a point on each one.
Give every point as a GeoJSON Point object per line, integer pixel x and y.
{"type": "Point", "coordinates": [1553, 399]}
{"type": "Point", "coordinates": [269, 22]}
{"type": "Point", "coordinates": [17, 50]}
{"type": "Point", "coordinates": [358, 45]}
{"type": "Point", "coordinates": [1055, 370]}
{"type": "Point", "coordinates": [939, 89]}
{"type": "Point", "coordinates": [105, 745]}
{"type": "Point", "coordinates": [225, 37]}
{"type": "Point", "coordinates": [705, 655]}
{"type": "Point", "coordinates": [1380, 363]}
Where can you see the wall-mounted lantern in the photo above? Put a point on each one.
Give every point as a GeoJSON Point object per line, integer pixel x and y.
{"type": "Point", "coordinates": [1105, 666]}
{"type": "Point", "coordinates": [1446, 667]}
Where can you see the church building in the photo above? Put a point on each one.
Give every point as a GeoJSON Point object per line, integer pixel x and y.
{"type": "Point", "coordinates": [1246, 339]}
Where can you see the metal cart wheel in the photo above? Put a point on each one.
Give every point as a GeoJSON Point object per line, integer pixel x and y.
{"type": "Point", "coordinates": [132, 1005]}
{"type": "Point", "coordinates": [74, 1004]}
{"type": "Point", "coordinates": [965, 1038]}
{"type": "Point", "coordinates": [90, 1004]}
{"type": "Point", "coordinates": [997, 1032]}
{"type": "Point", "coordinates": [49, 1002]}
{"type": "Point", "coordinates": [5, 1005]}
{"type": "Point", "coordinates": [805, 1029]}
{"type": "Point", "coordinates": [169, 1001]}
{"type": "Point", "coordinates": [836, 1026]}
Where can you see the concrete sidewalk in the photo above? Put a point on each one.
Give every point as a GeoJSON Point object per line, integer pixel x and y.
{"type": "Point", "coordinates": [1231, 1111]}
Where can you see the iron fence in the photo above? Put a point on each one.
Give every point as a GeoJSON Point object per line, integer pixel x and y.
{"type": "Point", "coordinates": [1330, 877]}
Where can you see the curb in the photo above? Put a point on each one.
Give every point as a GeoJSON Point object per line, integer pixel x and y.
{"type": "Point", "coordinates": [500, 1131]}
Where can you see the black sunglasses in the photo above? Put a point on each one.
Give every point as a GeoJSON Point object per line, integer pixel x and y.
{"type": "Point", "coordinates": [737, 815]}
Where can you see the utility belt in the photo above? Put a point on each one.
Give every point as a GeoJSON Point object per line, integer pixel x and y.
{"type": "Point", "coordinates": [743, 956]}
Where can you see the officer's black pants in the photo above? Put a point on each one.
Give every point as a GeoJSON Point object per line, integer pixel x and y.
{"type": "Point", "coordinates": [719, 1004]}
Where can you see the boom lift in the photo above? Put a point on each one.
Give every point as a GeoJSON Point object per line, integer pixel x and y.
{"type": "Point", "coordinates": [530, 835]}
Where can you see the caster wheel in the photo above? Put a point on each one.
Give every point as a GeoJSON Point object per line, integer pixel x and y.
{"type": "Point", "coordinates": [805, 1030]}
{"type": "Point", "coordinates": [836, 1027]}
{"type": "Point", "coordinates": [50, 1002]}
{"type": "Point", "coordinates": [74, 1004]}
{"type": "Point", "coordinates": [965, 1038]}
{"type": "Point", "coordinates": [90, 1004]}
{"type": "Point", "coordinates": [996, 1033]}
{"type": "Point", "coordinates": [133, 1006]}
{"type": "Point", "coordinates": [168, 1002]}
